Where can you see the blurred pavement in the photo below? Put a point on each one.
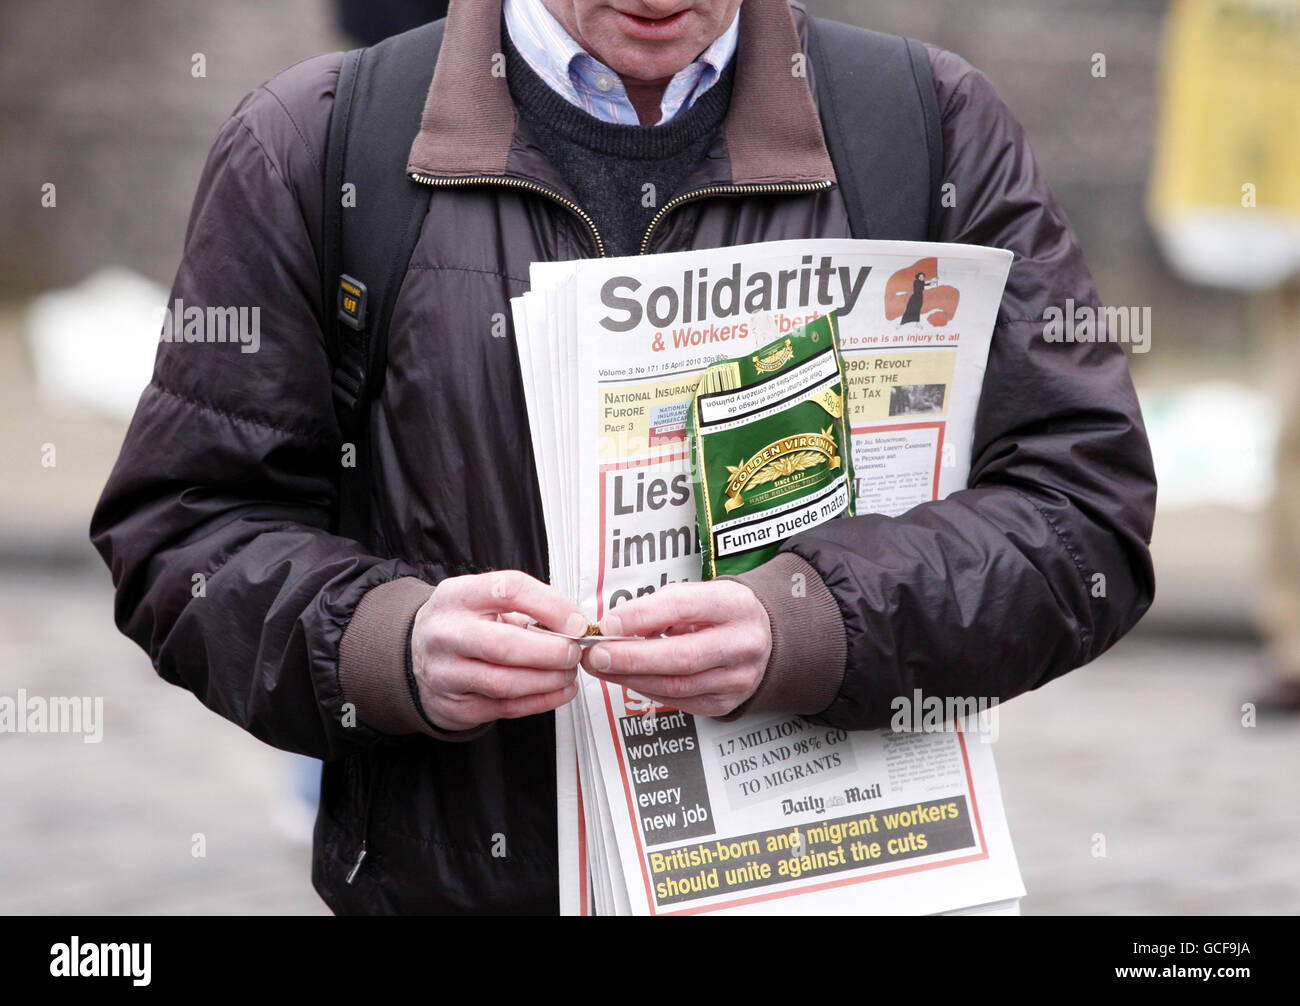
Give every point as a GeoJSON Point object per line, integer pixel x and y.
{"type": "Point", "coordinates": [110, 827]}
{"type": "Point", "coordinates": [1146, 748]}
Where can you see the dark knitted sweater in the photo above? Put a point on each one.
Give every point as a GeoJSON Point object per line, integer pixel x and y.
{"type": "Point", "coordinates": [620, 174]}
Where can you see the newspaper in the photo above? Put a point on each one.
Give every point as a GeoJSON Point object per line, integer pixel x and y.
{"type": "Point", "coordinates": [662, 812]}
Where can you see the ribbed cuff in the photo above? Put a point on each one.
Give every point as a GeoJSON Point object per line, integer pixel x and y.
{"type": "Point", "coordinates": [374, 661]}
{"type": "Point", "coordinates": [809, 647]}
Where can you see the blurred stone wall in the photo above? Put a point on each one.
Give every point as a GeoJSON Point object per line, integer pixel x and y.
{"type": "Point", "coordinates": [1093, 137]}
{"type": "Point", "coordinates": [97, 96]}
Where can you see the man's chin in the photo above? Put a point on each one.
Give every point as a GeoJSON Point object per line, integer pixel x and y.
{"type": "Point", "coordinates": [650, 63]}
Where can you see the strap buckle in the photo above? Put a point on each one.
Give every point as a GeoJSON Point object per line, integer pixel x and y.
{"type": "Point", "coordinates": [351, 302]}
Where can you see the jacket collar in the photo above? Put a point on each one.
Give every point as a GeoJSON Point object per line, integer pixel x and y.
{"type": "Point", "coordinates": [469, 124]}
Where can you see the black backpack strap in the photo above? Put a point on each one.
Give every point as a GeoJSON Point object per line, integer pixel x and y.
{"type": "Point", "coordinates": [924, 79]}
{"type": "Point", "coordinates": [369, 233]}
{"type": "Point", "coordinates": [880, 117]}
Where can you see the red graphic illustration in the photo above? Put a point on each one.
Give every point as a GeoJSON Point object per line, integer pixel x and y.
{"type": "Point", "coordinates": [913, 293]}
{"type": "Point", "coordinates": [636, 704]}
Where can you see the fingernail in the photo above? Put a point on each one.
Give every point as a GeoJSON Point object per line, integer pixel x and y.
{"type": "Point", "coordinates": [575, 626]}
{"type": "Point", "coordinates": [598, 658]}
{"type": "Point", "coordinates": [613, 625]}
{"type": "Point", "coordinates": [575, 654]}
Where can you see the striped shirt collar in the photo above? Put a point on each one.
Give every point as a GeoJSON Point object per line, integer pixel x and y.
{"type": "Point", "coordinates": [584, 81]}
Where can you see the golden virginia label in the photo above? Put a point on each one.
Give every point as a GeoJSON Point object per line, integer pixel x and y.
{"type": "Point", "coordinates": [768, 439]}
{"type": "Point", "coordinates": [783, 458]}
{"type": "Point", "coordinates": [774, 360]}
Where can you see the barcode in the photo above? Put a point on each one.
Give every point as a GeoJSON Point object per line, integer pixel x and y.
{"type": "Point", "coordinates": [722, 377]}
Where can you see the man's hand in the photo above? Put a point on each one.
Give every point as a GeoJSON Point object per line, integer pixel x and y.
{"type": "Point", "coordinates": [718, 640]}
{"type": "Point", "coordinates": [474, 661]}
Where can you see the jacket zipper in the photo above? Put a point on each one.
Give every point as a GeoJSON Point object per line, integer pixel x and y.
{"type": "Point", "coordinates": [517, 183]}
{"type": "Point", "coordinates": [365, 831]}
{"type": "Point", "coordinates": [750, 189]}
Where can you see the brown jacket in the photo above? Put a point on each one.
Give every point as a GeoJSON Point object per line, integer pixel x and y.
{"type": "Point", "coordinates": [229, 466]}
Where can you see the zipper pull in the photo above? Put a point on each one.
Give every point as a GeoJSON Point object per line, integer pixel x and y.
{"type": "Point", "coordinates": [361, 858]}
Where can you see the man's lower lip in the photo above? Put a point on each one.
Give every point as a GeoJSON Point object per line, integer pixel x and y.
{"type": "Point", "coordinates": [648, 28]}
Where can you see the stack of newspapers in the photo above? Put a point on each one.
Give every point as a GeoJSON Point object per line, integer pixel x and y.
{"type": "Point", "coordinates": [666, 813]}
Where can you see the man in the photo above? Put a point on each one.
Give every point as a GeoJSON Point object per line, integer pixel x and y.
{"type": "Point", "coordinates": [401, 659]}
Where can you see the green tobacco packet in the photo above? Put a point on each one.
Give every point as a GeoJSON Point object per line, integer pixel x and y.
{"type": "Point", "coordinates": [770, 447]}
